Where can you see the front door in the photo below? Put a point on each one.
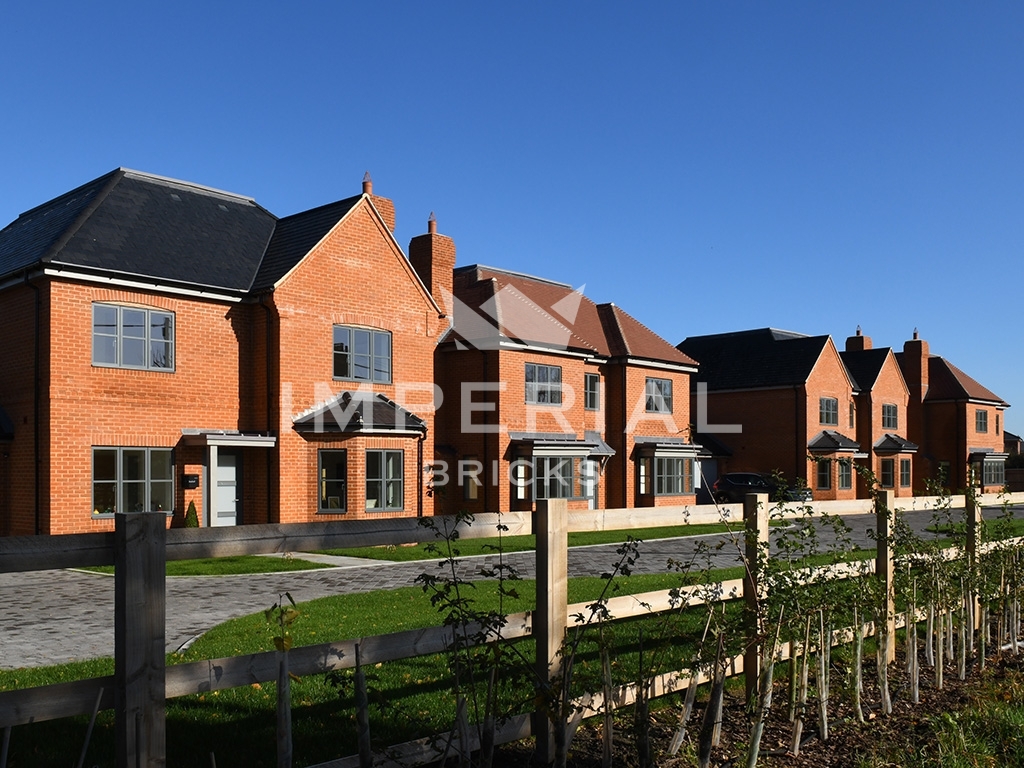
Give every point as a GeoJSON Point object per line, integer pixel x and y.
{"type": "Point", "coordinates": [227, 488]}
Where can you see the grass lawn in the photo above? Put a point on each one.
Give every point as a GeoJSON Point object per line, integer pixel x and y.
{"type": "Point", "coordinates": [486, 546]}
{"type": "Point", "coordinates": [226, 566]}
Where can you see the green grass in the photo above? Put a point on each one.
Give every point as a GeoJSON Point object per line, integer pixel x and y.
{"type": "Point", "coordinates": [227, 566]}
{"type": "Point", "coordinates": [526, 543]}
{"type": "Point", "coordinates": [993, 528]}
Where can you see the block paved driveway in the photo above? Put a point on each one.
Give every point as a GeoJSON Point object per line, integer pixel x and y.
{"type": "Point", "coordinates": [57, 616]}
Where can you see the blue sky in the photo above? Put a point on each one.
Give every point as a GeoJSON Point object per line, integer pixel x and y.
{"type": "Point", "coordinates": [706, 166]}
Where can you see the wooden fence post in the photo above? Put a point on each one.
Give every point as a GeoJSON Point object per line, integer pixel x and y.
{"type": "Point", "coordinates": [885, 567]}
{"type": "Point", "coordinates": [755, 523]}
{"type": "Point", "coordinates": [139, 638]}
{"type": "Point", "coordinates": [975, 535]}
{"type": "Point", "coordinates": [549, 622]}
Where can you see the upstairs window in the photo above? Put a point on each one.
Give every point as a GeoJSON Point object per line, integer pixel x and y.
{"type": "Point", "coordinates": [981, 420]}
{"type": "Point", "coordinates": [890, 417]}
{"type": "Point", "coordinates": [591, 392]}
{"type": "Point", "coordinates": [361, 354]}
{"type": "Point", "coordinates": [132, 337]}
{"type": "Point", "coordinates": [543, 384]}
{"type": "Point", "coordinates": [658, 395]}
{"type": "Point", "coordinates": [828, 411]}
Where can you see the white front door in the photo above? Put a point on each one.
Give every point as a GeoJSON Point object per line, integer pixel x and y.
{"type": "Point", "coordinates": [225, 489]}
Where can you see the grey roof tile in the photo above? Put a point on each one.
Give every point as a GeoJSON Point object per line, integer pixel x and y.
{"type": "Point", "coordinates": [764, 357]}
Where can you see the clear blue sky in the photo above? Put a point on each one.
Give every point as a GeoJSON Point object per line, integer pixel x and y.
{"type": "Point", "coordinates": [707, 166]}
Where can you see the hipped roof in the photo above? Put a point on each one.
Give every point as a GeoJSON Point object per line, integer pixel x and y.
{"type": "Point", "coordinates": [759, 358]}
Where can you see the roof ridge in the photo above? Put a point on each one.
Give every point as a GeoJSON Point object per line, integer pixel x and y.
{"type": "Point", "coordinates": [187, 184]}
{"type": "Point", "coordinates": [513, 273]}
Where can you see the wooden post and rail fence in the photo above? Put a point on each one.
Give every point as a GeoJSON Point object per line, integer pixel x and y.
{"type": "Point", "coordinates": [141, 545]}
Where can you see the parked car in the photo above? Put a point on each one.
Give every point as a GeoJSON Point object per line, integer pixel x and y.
{"type": "Point", "coordinates": [734, 486]}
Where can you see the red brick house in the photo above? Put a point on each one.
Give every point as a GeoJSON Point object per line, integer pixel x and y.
{"type": "Point", "coordinates": [781, 402]}
{"type": "Point", "coordinates": [881, 416]}
{"type": "Point", "coordinates": [956, 421]}
{"type": "Point", "coordinates": [549, 395]}
{"type": "Point", "coordinates": [168, 343]}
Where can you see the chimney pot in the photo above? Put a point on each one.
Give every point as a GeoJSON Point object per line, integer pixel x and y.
{"type": "Point", "coordinates": [367, 184]}
{"type": "Point", "coordinates": [915, 334]}
{"type": "Point", "coordinates": [432, 224]}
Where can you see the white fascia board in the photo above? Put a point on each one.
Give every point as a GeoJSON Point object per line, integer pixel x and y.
{"type": "Point", "coordinates": [140, 286]}
{"type": "Point", "coordinates": [678, 367]}
{"type": "Point", "coordinates": [520, 347]}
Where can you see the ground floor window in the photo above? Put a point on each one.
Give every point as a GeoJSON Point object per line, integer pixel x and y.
{"type": "Point", "coordinates": [823, 479]}
{"type": "Point", "coordinates": [888, 472]}
{"type": "Point", "coordinates": [564, 477]}
{"type": "Point", "coordinates": [994, 473]}
{"type": "Point", "coordinates": [384, 480]}
{"type": "Point", "coordinates": [845, 474]}
{"type": "Point", "coordinates": [333, 480]}
{"type": "Point", "coordinates": [665, 475]}
{"type": "Point", "coordinates": [132, 480]}
{"type": "Point", "coordinates": [904, 473]}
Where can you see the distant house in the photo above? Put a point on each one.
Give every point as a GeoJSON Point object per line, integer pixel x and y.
{"type": "Point", "coordinates": [549, 395]}
{"type": "Point", "coordinates": [787, 403]}
{"type": "Point", "coordinates": [169, 343]}
{"type": "Point", "coordinates": [956, 421]}
{"type": "Point", "coordinates": [1012, 444]}
{"type": "Point", "coordinates": [881, 400]}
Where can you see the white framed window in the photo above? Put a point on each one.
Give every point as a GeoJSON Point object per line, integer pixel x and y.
{"type": "Point", "coordinates": [132, 337]}
{"type": "Point", "coordinates": [333, 480]}
{"type": "Point", "coordinates": [890, 416]}
{"type": "Point", "coordinates": [591, 392]}
{"type": "Point", "coordinates": [362, 354]}
{"type": "Point", "coordinates": [385, 487]}
{"type": "Point", "coordinates": [658, 395]}
{"type": "Point", "coordinates": [132, 480]}
{"type": "Point", "coordinates": [543, 384]}
{"type": "Point", "coordinates": [981, 420]}
{"type": "Point", "coordinates": [828, 411]}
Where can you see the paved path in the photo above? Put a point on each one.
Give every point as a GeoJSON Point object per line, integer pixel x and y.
{"type": "Point", "coordinates": [56, 616]}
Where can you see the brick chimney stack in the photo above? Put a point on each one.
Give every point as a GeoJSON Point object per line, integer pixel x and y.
{"type": "Point", "coordinates": [915, 367]}
{"type": "Point", "coordinates": [384, 206]}
{"type": "Point", "coordinates": [433, 257]}
{"type": "Point", "coordinates": [858, 343]}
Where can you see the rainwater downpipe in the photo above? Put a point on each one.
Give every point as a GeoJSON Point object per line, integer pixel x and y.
{"type": "Point", "coordinates": [419, 473]}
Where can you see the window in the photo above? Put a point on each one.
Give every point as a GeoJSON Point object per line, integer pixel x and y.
{"type": "Point", "coordinates": [853, 415]}
{"type": "Point", "coordinates": [888, 472]}
{"type": "Point", "coordinates": [361, 354]}
{"type": "Point", "coordinates": [890, 417]}
{"type": "Point", "coordinates": [673, 476]}
{"type": "Point", "coordinates": [904, 473]}
{"type": "Point", "coordinates": [132, 337]}
{"type": "Point", "coordinates": [333, 481]}
{"type": "Point", "coordinates": [824, 475]}
{"type": "Point", "coordinates": [564, 477]}
{"type": "Point", "coordinates": [132, 480]}
{"type": "Point", "coordinates": [828, 411]}
{"type": "Point", "coordinates": [997, 423]}
{"type": "Point", "coordinates": [994, 473]}
{"type": "Point", "coordinates": [384, 481]}
{"type": "Point", "coordinates": [981, 420]}
{"type": "Point", "coordinates": [543, 384]}
{"type": "Point", "coordinates": [591, 392]}
{"type": "Point", "coordinates": [658, 395]}
{"type": "Point", "coordinates": [845, 475]}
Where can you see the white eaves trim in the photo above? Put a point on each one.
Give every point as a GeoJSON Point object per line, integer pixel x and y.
{"type": "Point", "coordinates": [139, 285]}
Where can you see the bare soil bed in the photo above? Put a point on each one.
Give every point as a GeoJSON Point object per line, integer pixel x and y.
{"type": "Point", "coordinates": [850, 744]}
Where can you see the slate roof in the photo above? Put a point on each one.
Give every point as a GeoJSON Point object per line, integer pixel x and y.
{"type": "Point", "coordinates": [890, 443]}
{"type": "Point", "coordinates": [592, 443]}
{"type": "Point", "coordinates": [830, 441]}
{"type": "Point", "coordinates": [864, 366]}
{"type": "Point", "coordinates": [137, 225]}
{"type": "Point", "coordinates": [359, 412]}
{"type": "Point", "coordinates": [295, 236]}
{"type": "Point", "coordinates": [759, 358]}
{"type": "Point", "coordinates": [494, 305]}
